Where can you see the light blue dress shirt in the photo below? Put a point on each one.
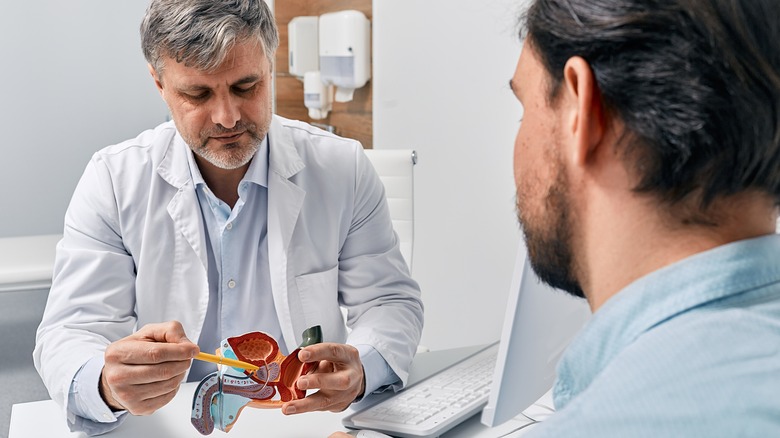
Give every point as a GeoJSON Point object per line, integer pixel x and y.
{"type": "Point", "coordinates": [691, 350]}
{"type": "Point", "coordinates": [240, 298]}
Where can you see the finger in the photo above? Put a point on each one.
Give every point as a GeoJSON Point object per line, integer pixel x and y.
{"type": "Point", "coordinates": [338, 381]}
{"type": "Point", "coordinates": [339, 435]}
{"type": "Point", "coordinates": [143, 352]}
{"type": "Point", "coordinates": [140, 396]}
{"type": "Point", "coordinates": [171, 332]}
{"type": "Point", "coordinates": [334, 401]}
{"type": "Point", "coordinates": [339, 353]}
{"type": "Point", "coordinates": [141, 374]}
{"type": "Point", "coordinates": [150, 405]}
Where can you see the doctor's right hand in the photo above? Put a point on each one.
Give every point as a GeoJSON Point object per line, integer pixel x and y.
{"type": "Point", "coordinates": [143, 371]}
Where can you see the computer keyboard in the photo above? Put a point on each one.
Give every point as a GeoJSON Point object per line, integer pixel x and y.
{"type": "Point", "coordinates": [436, 404]}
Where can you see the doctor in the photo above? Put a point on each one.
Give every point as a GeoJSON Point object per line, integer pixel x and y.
{"type": "Point", "coordinates": [226, 220]}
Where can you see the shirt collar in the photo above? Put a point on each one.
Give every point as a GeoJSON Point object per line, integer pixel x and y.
{"type": "Point", "coordinates": [256, 173]}
{"type": "Point", "coordinates": [719, 273]}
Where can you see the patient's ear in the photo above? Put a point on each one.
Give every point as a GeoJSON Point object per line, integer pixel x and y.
{"type": "Point", "coordinates": [584, 116]}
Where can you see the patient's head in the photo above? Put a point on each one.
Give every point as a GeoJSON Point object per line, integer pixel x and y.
{"type": "Point", "coordinates": [692, 91]}
{"type": "Point", "coordinates": [696, 83]}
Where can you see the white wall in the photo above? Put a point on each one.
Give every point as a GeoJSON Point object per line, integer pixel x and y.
{"type": "Point", "coordinates": [440, 82]}
{"type": "Point", "coordinates": [74, 80]}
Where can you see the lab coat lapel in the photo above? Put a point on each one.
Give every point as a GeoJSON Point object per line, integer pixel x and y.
{"type": "Point", "coordinates": [285, 200]}
{"type": "Point", "coordinates": [184, 208]}
{"type": "Point", "coordinates": [184, 211]}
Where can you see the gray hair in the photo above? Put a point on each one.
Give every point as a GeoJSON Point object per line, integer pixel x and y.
{"type": "Point", "coordinates": [199, 33]}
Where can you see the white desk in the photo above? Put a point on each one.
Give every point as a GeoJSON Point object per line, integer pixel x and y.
{"type": "Point", "coordinates": [45, 419]}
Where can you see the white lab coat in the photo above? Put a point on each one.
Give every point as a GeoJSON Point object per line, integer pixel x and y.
{"type": "Point", "coordinates": [134, 251]}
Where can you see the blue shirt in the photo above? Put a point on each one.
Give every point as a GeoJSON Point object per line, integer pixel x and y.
{"type": "Point", "coordinates": [240, 298]}
{"type": "Point", "coordinates": [690, 350]}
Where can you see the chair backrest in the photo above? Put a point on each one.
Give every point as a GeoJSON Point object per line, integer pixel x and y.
{"type": "Point", "coordinates": [396, 170]}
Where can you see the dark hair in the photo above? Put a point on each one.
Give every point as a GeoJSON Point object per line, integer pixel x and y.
{"type": "Point", "coordinates": [696, 83]}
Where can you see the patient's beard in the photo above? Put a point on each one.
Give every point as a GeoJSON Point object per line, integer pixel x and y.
{"type": "Point", "coordinates": [549, 237]}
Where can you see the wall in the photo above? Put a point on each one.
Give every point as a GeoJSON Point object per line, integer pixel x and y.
{"type": "Point", "coordinates": [74, 80]}
{"type": "Point", "coordinates": [441, 73]}
{"type": "Point", "coordinates": [351, 119]}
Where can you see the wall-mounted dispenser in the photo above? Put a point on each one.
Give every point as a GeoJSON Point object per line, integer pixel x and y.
{"type": "Point", "coordinates": [317, 96]}
{"type": "Point", "coordinates": [345, 51]}
{"type": "Point", "coordinates": [303, 47]}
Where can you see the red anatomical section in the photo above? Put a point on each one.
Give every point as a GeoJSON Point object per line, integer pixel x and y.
{"type": "Point", "coordinates": [278, 371]}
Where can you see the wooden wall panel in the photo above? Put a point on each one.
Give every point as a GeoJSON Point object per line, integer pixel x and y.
{"type": "Point", "coordinates": [350, 119]}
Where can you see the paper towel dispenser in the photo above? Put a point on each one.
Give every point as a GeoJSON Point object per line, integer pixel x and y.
{"type": "Point", "coordinates": [303, 45]}
{"type": "Point", "coordinates": [345, 51]}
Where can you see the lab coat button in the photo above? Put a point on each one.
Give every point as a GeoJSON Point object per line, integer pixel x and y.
{"type": "Point", "coordinates": [231, 284]}
{"type": "Point", "coordinates": [229, 226]}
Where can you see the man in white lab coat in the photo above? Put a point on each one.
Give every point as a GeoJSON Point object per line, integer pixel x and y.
{"type": "Point", "coordinates": [226, 220]}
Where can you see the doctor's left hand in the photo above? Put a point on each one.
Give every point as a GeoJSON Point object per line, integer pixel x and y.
{"type": "Point", "coordinates": [338, 375]}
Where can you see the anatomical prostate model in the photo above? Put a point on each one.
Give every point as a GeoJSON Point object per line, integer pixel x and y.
{"type": "Point", "coordinates": [222, 395]}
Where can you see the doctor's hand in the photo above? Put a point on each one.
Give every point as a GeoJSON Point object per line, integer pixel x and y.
{"type": "Point", "coordinates": [338, 375]}
{"type": "Point", "coordinates": [143, 371]}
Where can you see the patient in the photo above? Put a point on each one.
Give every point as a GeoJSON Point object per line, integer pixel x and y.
{"type": "Point", "coordinates": [647, 169]}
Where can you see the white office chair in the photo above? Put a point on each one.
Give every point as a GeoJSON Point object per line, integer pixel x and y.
{"type": "Point", "coordinates": [396, 170]}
